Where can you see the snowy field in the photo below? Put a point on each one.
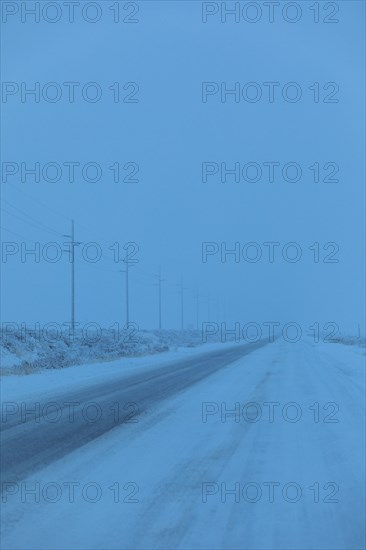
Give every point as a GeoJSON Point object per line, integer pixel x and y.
{"type": "Point", "coordinates": [25, 352]}
{"type": "Point", "coordinates": [264, 453]}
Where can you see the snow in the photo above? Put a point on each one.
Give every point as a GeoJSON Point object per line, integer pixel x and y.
{"type": "Point", "coordinates": [25, 352]}
{"type": "Point", "coordinates": [170, 453]}
{"type": "Point", "coordinates": [51, 382]}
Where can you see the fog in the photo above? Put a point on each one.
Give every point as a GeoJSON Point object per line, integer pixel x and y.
{"type": "Point", "coordinates": [213, 165]}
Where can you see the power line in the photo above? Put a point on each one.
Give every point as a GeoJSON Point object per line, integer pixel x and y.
{"type": "Point", "coordinates": [105, 269]}
{"type": "Point", "coordinates": [13, 186]}
{"type": "Point", "coordinates": [26, 221]}
{"type": "Point", "coordinates": [42, 225]}
{"type": "Point", "coordinates": [111, 253]}
{"type": "Point", "coordinates": [29, 216]}
{"type": "Point", "coordinates": [14, 233]}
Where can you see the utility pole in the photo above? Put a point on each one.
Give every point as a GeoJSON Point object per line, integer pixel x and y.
{"type": "Point", "coordinates": [197, 308]}
{"type": "Point", "coordinates": [127, 296]}
{"type": "Point", "coordinates": [73, 243]}
{"type": "Point", "coordinates": [126, 271]}
{"type": "Point", "coordinates": [72, 278]}
{"type": "Point", "coordinates": [208, 307]}
{"type": "Point", "coordinates": [223, 310]}
{"type": "Point", "coordinates": [127, 305]}
{"type": "Point", "coordinates": [181, 292]}
{"type": "Point", "coordinates": [158, 284]}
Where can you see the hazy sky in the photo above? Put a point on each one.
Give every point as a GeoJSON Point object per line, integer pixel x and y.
{"type": "Point", "coordinates": [169, 212]}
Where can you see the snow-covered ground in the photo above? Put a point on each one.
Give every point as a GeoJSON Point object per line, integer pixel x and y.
{"type": "Point", "coordinates": [26, 351]}
{"type": "Point", "coordinates": [53, 382]}
{"type": "Point", "coordinates": [285, 470]}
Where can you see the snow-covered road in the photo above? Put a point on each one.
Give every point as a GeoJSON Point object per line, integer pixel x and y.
{"type": "Point", "coordinates": [260, 450]}
{"type": "Point", "coordinates": [35, 433]}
